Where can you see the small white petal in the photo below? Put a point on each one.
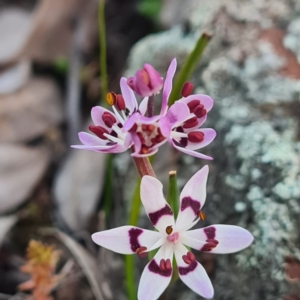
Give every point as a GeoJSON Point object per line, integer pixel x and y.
{"type": "Point", "coordinates": [128, 95]}
{"type": "Point", "coordinates": [97, 113]}
{"type": "Point", "coordinates": [168, 86]}
{"type": "Point", "coordinates": [144, 106]}
{"type": "Point", "coordinates": [126, 239]}
{"type": "Point", "coordinates": [158, 210]}
{"type": "Point", "coordinates": [91, 140]}
{"type": "Point", "coordinates": [192, 199]}
{"type": "Point", "coordinates": [191, 152]}
{"type": "Point", "coordinates": [153, 280]}
{"type": "Point", "coordinates": [193, 275]}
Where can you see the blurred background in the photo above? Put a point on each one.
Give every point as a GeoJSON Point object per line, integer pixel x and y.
{"type": "Point", "coordinates": [49, 81]}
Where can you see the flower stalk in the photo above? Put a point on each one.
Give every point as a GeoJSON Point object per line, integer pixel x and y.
{"type": "Point", "coordinates": [143, 166]}
{"type": "Point", "coordinates": [173, 192]}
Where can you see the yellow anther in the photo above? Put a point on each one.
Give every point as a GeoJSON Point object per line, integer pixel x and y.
{"type": "Point", "coordinates": [111, 98]}
{"type": "Point", "coordinates": [169, 230]}
{"type": "Point", "coordinates": [201, 215]}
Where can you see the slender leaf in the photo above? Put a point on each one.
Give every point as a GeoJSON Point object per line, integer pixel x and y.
{"type": "Point", "coordinates": [189, 66]}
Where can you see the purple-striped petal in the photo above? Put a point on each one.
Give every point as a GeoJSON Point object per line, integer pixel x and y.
{"type": "Point", "coordinates": [165, 127]}
{"type": "Point", "coordinates": [148, 120]}
{"type": "Point", "coordinates": [209, 136]}
{"type": "Point", "coordinates": [97, 113]}
{"type": "Point", "coordinates": [91, 140]}
{"type": "Point", "coordinates": [191, 152]}
{"type": "Point", "coordinates": [144, 106]}
{"type": "Point", "coordinates": [227, 239]}
{"type": "Point", "coordinates": [154, 280]}
{"type": "Point", "coordinates": [126, 239]}
{"type": "Point", "coordinates": [193, 274]}
{"type": "Point", "coordinates": [151, 151]}
{"type": "Point", "coordinates": [158, 210]}
{"type": "Point", "coordinates": [104, 149]}
{"type": "Point", "coordinates": [137, 144]}
{"type": "Point", "coordinates": [192, 199]}
{"type": "Point", "coordinates": [130, 122]}
{"type": "Point", "coordinates": [168, 87]}
{"type": "Point", "coordinates": [205, 100]}
{"type": "Point", "coordinates": [177, 113]}
{"type": "Point", "coordinates": [128, 95]}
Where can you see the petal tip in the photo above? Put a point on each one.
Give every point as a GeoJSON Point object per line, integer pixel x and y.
{"type": "Point", "coordinates": [94, 237]}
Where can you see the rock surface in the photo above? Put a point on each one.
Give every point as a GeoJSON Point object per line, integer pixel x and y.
{"type": "Point", "coordinates": [251, 70]}
{"type": "Point", "coordinates": [29, 112]}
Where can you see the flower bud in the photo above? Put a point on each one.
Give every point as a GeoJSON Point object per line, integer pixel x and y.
{"type": "Point", "coordinates": [146, 82]}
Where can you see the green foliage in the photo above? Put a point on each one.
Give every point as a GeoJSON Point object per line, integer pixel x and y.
{"type": "Point", "coordinates": [61, 64]}
{"type": "Point", "coordinates": [149, 8]}
{"type": "Point", "coordinates": [189, 66]}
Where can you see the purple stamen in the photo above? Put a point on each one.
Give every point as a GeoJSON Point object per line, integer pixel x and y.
{"type": "Point", "coordinates": [155, 216]}
{"type": "Point", "coordinates": [155, 268]}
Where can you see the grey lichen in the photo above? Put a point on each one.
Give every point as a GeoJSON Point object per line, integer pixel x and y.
{"type": "Point", "coordinates": [255, 176]}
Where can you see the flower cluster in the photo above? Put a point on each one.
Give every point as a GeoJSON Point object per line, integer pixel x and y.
{"type": "Point", "coordinates": [172, 238]}
{"type": "Point", "coordinates": [133, 125]}
{"type": "Point", "coordinates": [137, 127]}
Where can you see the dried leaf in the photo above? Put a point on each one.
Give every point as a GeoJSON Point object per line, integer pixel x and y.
{"type": "Point", "coordinates": [15, 77]}
{"type": "Point", "coordinates": [21, 169]}
{"type": "Point", "coordinates": [86, 261]}
{"type": "Point", "coordinates": [6, 223]}
{"type": "Point", "coordinates": [14, 31]}
{"type": "Point", "coordinates": [78, 186]}
{"type": "Point", "coordinates": [50, 33]}
{"type": "Point", "coordinates": [29, 112]}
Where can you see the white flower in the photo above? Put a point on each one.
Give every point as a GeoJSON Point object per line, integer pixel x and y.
{"type": "Point", "coordinates": [173, 237]}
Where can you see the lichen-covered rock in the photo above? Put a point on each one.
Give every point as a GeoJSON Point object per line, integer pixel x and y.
{"type": "Point", "coordinates": [252, 72]}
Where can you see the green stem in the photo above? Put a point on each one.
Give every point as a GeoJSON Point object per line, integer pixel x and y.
{"type": "Point", "coordinates": [108, 185]}
{"type": "Point", "coordinates": [187, 69]}
{"type": "Point", "coordinates": [143, 166]}
{"type": "Point", "coordinates": [173, 192]}
{"type": "Point", "coordinates": [102, 41]}
{"type": "Point", "coordinates": [129, 259]}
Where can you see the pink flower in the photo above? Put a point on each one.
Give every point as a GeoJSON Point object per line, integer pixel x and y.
{"type": "Point", "coordinates": [108, 136]}
{"type": "Point", "coordinates": [178, 124]}
{"type": "Point", "coordinates": [146, 82]}
{"type": "Point", "coordinates": [115, 132]}
{"type": "Point", "coordinates": [172, 238]}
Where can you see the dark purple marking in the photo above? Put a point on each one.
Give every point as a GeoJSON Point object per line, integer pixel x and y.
{"type": "Point", "coordinates": [189, 202]}
{"type": "Point", "coordinates": [208, 246]}
{"type": "Point", "coordinates": [211, 241]}
{"type": "Point", "coordinates": [183, 141]}
{"type": "Point", "coordinates": [210, 232]}
{"type": "Point", "coordinates": [155, 216]}
{"type": "Point", "coordinates": [154, 268]}
{"type": "Point", "coordinates": [190, 268]}
{"type": "Point", "coordinates": [134, 233]}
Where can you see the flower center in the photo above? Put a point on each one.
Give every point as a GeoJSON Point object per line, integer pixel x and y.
{"type": "Point", "coordinates": [149, 135]}
{"type": "Point", "coordinates": [173, 238]}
